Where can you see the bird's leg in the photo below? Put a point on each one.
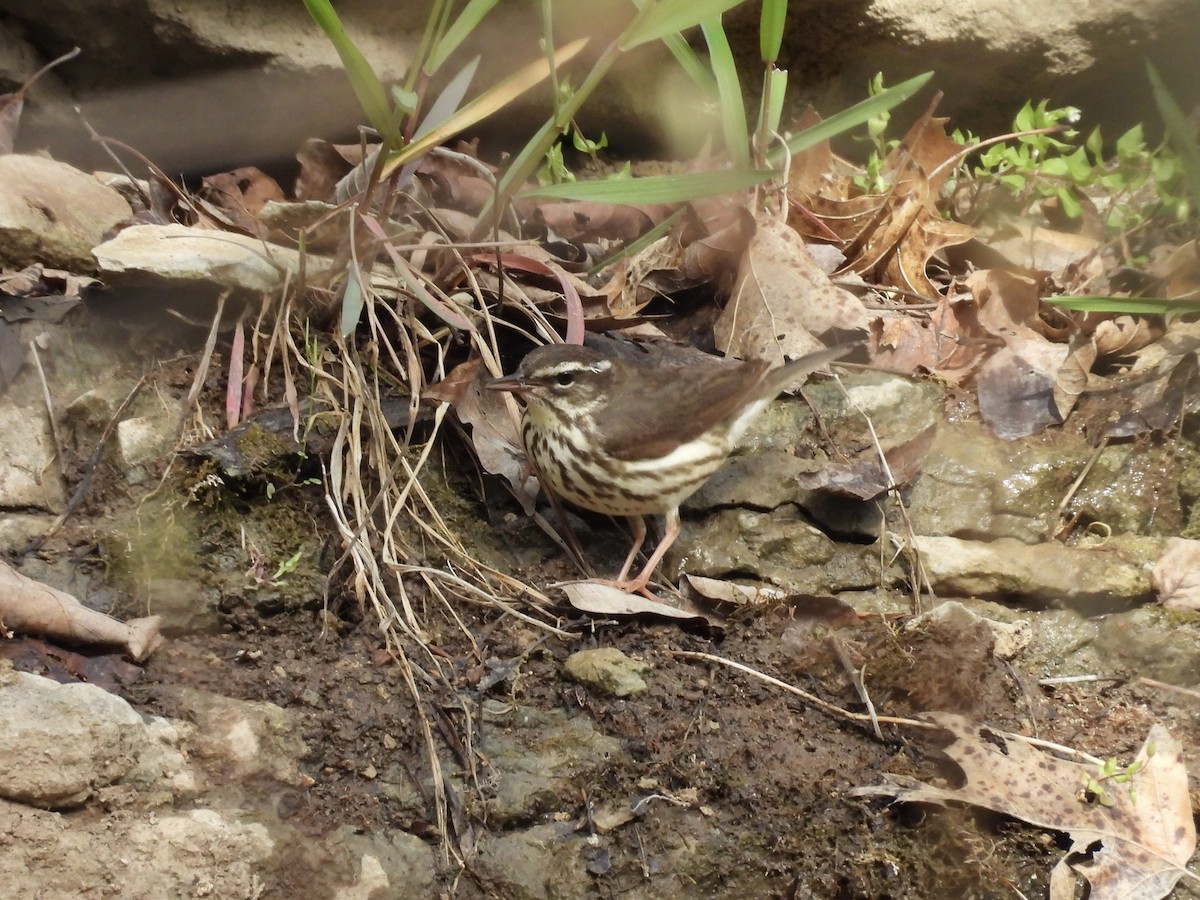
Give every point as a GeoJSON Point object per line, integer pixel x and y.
{"type": "Point", "coordinates": [638, 585]}
{"type": "Point", "coordinates": [638, 526]}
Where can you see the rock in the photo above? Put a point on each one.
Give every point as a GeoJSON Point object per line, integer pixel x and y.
{"type": "Point", "coordinates": [1090, 580]}
{"type": "Point", "coordinates": [779, 547]}
{"type": "Point", "coordinates": [249, 737]}
{"type": "Point", "coordinates": [29, 477]}
{"type": "Point", "coordinates": [391, 863]}
{"type": "Point", "coordinates": [1009, 638]}
{"type": "Point", "coordinates": [194, 261]}
{"type": "Point", "coordinates": [200, 853]}
{"type": "Point", "coordinates": [608, 670]}
{"type": "Point", "coordinates": [262, 76]}
{"type": "Point", "coordinates": [60, 743]}
{"type": "Point", "coordinates": [1153, 643]}
{"type": "Point", "coordinates": [539, 758]}
{"type": "Point", "coordinates": [542, 862]}
{"type": "Point", "coordinates": [51, 213]}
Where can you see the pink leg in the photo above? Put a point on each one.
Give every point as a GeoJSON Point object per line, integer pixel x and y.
{"type": "Point", "coordinates": [638, 585]}
{"type": "Point", "coordinates": [638, 526]}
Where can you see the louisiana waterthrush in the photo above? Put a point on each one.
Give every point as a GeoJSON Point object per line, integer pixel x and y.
{"type": "Point", "coordinates": [628, 432]}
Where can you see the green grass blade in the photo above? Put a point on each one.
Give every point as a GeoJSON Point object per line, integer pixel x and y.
{"type": "Point", "coordinates": [770, 29]}
{"type": "Point", "coordinates": [655, 188]}
{"type": "Point", "coordinates": [490, 101]}
{"type": "Point", "coordinates": [729, 89]}
{"type": "Point", "coordinates": [633, 249]}
{"type": "Point", "coordinates": [691, 63]}
{"type": "Point", "coordinates": [1181, 133]}
{"type": "Point", "coordinates": [666, 17]}
{"type": "Point", "coordinates": [468, 20]}
{"type": "Point", "coordinates": [770, 110]}
{"type": "Point", "coordinates": [852, 116]}
{"type": "Point", "coordinates": [367, 87]}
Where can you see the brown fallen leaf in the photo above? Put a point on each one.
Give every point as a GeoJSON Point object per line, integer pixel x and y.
{"type": "Point", "coordinates": [1176, 575]}
{"type": "Point", "coordinates": [866, 478]}
{"type": "Point", "coordinates": [783, 300]}
{"type": "Point", "coordinates": [240, 195]}
{"type": "Point", "coordinates": [493, 427]}
{"type": "Point", "coordinates": [601, 599]}
{"type": "Point", "coordinates": [30, 607]}
{"type": "Point", "coordinates": [1131, 828]}
{"type": "Point", "coordinates": [1016, 389]}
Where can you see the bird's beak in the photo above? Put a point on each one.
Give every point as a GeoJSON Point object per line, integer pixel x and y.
{"type": "Point", "coordinates": [515, 383]}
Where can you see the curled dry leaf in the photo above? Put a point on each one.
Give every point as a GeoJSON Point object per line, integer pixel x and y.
{"type": "Point", "coordinates": [493, 427]}
{"type": "Point", "coordinates": [949, 344]}
{"type": "Point", "coordinates": [30, 607]}
{"type": "Point", "coordinates": [867, 478]}
{"type": "Point", "coordinates": [782, 300]}
{"type": "Point", "coordinates": [1121, 335]}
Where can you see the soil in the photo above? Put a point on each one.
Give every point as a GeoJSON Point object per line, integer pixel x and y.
{"type": "Point", "coordinates": [759, 782]}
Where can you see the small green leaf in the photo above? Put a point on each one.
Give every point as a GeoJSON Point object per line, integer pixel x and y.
{"type": "Point", "coordinates": [367, 87]}
{"type": "Point", "coordinates": [466, 23]}
{"type": "Point", "coordinates": [656, 188]}
{"type": "Point", "coordinates": [1180, 132]}
{"type": "Point", "coordinates": [852, 116]}
{"type": "Point", "coordinates": [352, 300]}
{"type": "Point", "coordinates": [695, 68]}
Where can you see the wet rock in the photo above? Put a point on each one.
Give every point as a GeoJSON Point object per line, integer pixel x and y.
{"type": "Point", "coordinates": [249, 737]}
{"type": "Point", "coordinates": [1153, 643]}
{"type": "Point", "coordinates": [1106, 579]}
{"type": "Point", "coordinates": [1008, 638]}
{"type": "Point", "coordinates": [1064, 644]}
{"type": "Point", "coordinates": [539, 757]}
{"type": "Point", "coordinates": [779, 547]}
{"type": "Point", "coordinates": [974, 485]}
{"type": "Point", "coordinates": [390, 864]}
{"type": "Point", "coordinates": [29, 477]}
{"type": "Point", "coordinates": [53, 214]}
{"type": "Point", "coordinates": [608, 670]}
{"type": "Point", "coordinates": [61, 743]}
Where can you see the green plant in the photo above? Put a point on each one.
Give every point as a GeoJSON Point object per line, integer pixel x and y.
{"type": "Point", "coordinates": [1111, 772]}
{"type": "Point", "coordinates": [1036, 166]}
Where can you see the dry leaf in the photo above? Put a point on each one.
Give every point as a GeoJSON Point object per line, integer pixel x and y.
{"type": "Point", "coordinates": [1134, 824]}
{"type": "Point", "coordinates": [34, 608]}
{"type": "Point", "coordinates": [1016, 388]}
{"type": "Point", "coordinates": [493, 427]}
{"type": "Point", "coordinates": [866, 478]}
{"type": "Point", "coordinates": [602, 599]}
{"type": "Point", "coordinates": [1176, 575]}
{"type": "Point", "coordinates": [782, 300]}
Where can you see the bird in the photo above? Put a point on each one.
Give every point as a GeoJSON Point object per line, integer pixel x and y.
{"type": "Point", "coordinates": [630, 431]}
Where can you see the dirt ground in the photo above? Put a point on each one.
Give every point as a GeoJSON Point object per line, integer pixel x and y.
{"type": "Point", "coordinates": [760, 781]}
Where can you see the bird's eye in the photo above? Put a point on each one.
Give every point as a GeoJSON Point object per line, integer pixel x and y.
{"type": "Point", "coordinates": [565, 379]}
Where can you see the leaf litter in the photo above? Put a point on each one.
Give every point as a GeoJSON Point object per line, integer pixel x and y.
{"type": "Point", "coordinates": [1131, 829]}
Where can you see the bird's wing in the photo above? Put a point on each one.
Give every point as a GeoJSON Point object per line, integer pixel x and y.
{"type": "Point", "coordinates": [670, 406]}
